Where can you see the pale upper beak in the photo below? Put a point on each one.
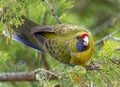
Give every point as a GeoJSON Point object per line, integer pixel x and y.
{"type": "Point", "coordinates": [86, 41]}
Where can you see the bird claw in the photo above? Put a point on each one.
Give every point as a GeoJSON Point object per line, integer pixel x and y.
{"type": "Point", "coordinates": [92, 67]}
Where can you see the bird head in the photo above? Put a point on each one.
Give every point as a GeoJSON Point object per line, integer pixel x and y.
{"type": "Point", "coordinates": [81, 47]}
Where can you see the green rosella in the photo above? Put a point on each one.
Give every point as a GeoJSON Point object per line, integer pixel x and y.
{"type": "Point", "coordinates": [68, 44]}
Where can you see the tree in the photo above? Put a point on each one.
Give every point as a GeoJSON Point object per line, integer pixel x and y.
{"type": "Point", "coordinates": [96, 15]}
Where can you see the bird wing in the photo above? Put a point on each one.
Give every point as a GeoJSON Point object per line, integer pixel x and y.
{"type": "Point", "coordinates": [55, 31]}
{"type": "Point", "coordinates": [43, 33]}
{"type": "Point", "coordinates": [36, 37]}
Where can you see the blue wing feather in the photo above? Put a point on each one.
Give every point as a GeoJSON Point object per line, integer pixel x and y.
{"type": "Point", "coordinates": [25, 41]}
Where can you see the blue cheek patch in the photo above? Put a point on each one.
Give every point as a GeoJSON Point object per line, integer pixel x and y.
{"type": "Point", "coordinates": [79, 45]}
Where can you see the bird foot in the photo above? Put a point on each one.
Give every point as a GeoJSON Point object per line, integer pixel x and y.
{"type": "Point", "coordinates": [92, 67]}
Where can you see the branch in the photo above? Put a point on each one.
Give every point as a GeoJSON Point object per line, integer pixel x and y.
{"type": "Point", "coordinates": [118, 49]}
{"type": "Point", "coordinates": [53, 11]}
{"type": "Point", "coordinates": [106, 37]}
{"type": "Point", "coordinates": [100, 28]}
{"type": "Point", "coordinates": [106, 24]}
{"type": "Point", "coordinates": [43, 20]}
{"type": "Point", "coordinates": [48, 75]}
{"type": "Point", "coordinates": [25, 76]}
{"type": "Point", "coordinates": [43, 59]}
{"type": "Point", "coordinates": [92, 67]}
{"type": "Point", "coordinates": [116, 38]}
{"type": "Point", "coordinates": [57, 85]}
{"type": "Point", "coordinates": [20, 76]}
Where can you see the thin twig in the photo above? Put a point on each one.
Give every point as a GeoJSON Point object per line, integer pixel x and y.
{"type": "Point", "coordinates": [43, 57]}
{"type": "Point", "coordinates": [53, 11]}
{"type": "Point", "coordinates": [118, 49]}
{"type": "Point", "coordinates": [116, 38]}
{"type": "Point", "coordinates": [106, 37]}
{"type": "Point", "coordinates": [50, 75]}
{"type": "Point", "coordinates": [108, 23]}
{"type": "Point", "coordinates": [57, 85]}
{"type": "Point", "coordinates": [43, 20]}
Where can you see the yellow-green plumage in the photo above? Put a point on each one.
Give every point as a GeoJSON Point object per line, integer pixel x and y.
{"type": "Point", "coordinates": [68, 44]}
{"type": "Point", "coordinates": [61, 44]}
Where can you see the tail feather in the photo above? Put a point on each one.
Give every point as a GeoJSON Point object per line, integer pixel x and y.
{"type": "Point", "coordinates": [22, 39]}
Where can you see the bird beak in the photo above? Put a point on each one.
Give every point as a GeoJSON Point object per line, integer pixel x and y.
{"type": "Point", "coordinates": [86, 41]}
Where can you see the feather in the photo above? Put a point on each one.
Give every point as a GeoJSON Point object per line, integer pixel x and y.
{"type": "Point", "coordinates": [39, 29]}
{"type": "Point", "coordinates": [58, 41]}
{"type": "Point", "coordinates": [42, 33]}
{"type": "Point", "coordinates": [21, 39]}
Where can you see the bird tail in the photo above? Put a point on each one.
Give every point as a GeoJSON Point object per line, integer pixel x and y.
{"type": "Point", "coordinates": [21, 39]}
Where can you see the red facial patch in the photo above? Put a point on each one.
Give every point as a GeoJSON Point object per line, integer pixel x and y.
{"type": "Point", "coordinates": [83, 35]}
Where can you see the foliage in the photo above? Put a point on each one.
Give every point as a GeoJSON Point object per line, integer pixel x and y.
{"type": "Point", "coordinates": [3, 56]}
{"type": "Point", "coordinates": [106, 52]}
{"type": "Point", "coordinates": [109, 75]}
{"type": "Point", "coordinates": [15, 57]}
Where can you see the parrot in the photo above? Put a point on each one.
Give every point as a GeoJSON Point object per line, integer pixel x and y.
{"type": "Point", "coordinates": [69, 44]}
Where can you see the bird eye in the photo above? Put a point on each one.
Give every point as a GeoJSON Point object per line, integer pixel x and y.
{"type": "Point", "coordinates": [78, 37]}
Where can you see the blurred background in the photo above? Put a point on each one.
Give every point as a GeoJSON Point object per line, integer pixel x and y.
{"type": "Point", "coordinates": [100, 17]}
